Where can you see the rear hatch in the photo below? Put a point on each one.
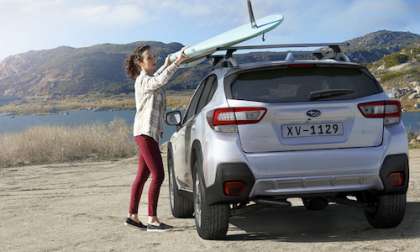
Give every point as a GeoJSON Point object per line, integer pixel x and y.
{"type": "Point", "coordinates": [306, 107]}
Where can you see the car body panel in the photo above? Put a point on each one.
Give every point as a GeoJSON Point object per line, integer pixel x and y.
{"type": "Point", "coordinates": [266, 136]}
{"type": "Point", "coordinates": [290, 167]}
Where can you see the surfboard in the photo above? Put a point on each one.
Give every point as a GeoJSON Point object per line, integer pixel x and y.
{"type": "Point", "coordinates": [229, 38]}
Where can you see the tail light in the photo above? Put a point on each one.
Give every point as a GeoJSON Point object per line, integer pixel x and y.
{"type": "Point", "coordinates": [389, 110]}
{"type": "Point", "coordinates": [236, 116]}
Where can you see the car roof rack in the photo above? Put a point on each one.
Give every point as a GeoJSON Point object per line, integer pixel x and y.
{"type": "Point", "coordinates": [327, 51]}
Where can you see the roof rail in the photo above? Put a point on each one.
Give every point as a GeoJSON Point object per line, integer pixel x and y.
{"type": "Point", "coordinates": [334, 46]}
{"type": "Point", "coordinates": [328, 51]}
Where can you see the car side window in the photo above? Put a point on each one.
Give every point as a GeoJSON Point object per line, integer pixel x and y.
{"type": "Point", "coordinates": [208, 91]}
{"type": "Point", "coordinates": [194, 101]}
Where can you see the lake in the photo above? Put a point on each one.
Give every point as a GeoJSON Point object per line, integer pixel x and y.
{"type": "Point", "coordinates": [7, 99]}
{"type": "Point", "coordinates": [17, 123]}
{"type": "Point", "coordinates": [74, 118]}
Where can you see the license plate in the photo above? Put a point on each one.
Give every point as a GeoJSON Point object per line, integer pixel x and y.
{"type": "Point", "coordinates": [312, 129]}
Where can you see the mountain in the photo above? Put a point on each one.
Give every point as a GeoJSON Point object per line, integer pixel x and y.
{"type": "Point", "coordinates": [72, 71]}
{"type": "Point", "coordinates": [96, 69]}
{"type": "Point", "coordinates": [100, 68]}
{"type": "Point", "coordinates": [373, 46]}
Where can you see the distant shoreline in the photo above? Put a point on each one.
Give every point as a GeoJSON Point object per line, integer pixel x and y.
{"type": "Point", "coordinates": [48, 105]}
{"type": "Point", "coordinates": [44, 105]}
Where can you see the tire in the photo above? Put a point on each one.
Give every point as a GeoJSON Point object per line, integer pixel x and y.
{"type": "Point", "coordinates": [211, 221]}
{"type": "Point", "coordinates": [181, 206]}
{"type": "Point", "coordinates": [315, 204]}
{"type": "Point", "coordinates": [387, 210]}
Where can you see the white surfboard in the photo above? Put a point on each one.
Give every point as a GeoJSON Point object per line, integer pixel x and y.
{"type": "Point", "coordinates": [229, 38]}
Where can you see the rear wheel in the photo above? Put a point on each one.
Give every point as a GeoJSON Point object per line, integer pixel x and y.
{"type": "Point", "coordinates": [211, 221]}
{"type": "Point", "coordinates": [386, 211]}
{"type": "Point", "coordinates": [181, 206]}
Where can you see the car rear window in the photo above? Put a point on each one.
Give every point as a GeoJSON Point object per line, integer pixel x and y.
{"type": "Point", "coordinates": [296, 84]}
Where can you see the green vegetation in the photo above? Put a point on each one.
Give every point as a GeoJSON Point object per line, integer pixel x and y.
{"type": "Point", "coordinates": [391, 75]}
{"type": "Point", "coordinates": [403, 56]}
{"type": "Point", "coordinates": [395, 59]}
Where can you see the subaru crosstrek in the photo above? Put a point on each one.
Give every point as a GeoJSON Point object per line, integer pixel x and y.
{"type": "Point", "coordinates": [320, 130]}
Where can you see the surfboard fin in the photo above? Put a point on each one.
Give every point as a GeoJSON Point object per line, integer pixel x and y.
{"type": "Point", "coordinates": [251, 15]}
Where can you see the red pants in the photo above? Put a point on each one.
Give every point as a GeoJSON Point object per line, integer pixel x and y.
{"type": "Point", "coordinates": [150, 162]}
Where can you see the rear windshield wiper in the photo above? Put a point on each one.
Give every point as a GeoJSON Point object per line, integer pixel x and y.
{"type": "Point", "coordinates": [321, 94]}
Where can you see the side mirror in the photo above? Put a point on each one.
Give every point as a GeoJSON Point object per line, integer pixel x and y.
{"type": "Point", "coordinates": [174, 118]}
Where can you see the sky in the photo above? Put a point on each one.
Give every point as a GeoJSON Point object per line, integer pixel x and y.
{"type": "Point", "coordinates": [43, 24]}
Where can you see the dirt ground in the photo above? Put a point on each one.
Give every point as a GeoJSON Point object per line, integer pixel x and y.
{"type": "Point", "coordinates": [81, 207]}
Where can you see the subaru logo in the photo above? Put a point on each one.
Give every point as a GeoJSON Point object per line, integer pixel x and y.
{"type": "Point", "coordinates": [313, 113]}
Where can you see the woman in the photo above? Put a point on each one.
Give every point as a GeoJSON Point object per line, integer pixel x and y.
{"type": "Point", "coordinates": [148, 127]}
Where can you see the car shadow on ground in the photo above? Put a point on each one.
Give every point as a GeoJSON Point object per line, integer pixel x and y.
{"type": "Point", "coordinates": [337, 223]}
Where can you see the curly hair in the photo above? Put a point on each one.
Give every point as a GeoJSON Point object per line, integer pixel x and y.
{"type": "Point", "coordinates": [131, 66]}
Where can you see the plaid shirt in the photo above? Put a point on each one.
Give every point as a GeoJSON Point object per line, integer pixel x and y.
{"type": "Point", "coordinates": [151, 101]}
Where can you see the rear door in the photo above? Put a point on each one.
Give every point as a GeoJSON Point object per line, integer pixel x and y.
{"type": "Point", "coordinates": [308, 107]}
{"type": "Point", "coordinates": [181, 141]}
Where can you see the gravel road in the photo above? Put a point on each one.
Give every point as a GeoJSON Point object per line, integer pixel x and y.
{"type": "Point", "coordinates": [81, 207]}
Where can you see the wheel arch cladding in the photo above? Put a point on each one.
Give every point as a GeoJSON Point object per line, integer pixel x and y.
{"type": "Point", "coordinates": [228, 172]}
{"type": "Point", "coordinates": [395, 163]}
{"type": "Point", "coordinates": [196, 152]}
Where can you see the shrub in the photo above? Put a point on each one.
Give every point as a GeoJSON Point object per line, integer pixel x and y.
{"type": "Point", "coordinates": [391, 75]}
{"type": "Point", "coordinates": [395, 59]}
{"type": "Point", "coordinates": [51, 144]}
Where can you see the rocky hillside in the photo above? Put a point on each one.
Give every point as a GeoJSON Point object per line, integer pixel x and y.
{"type": "Point", "coordinates": [71, 71]}
{"type": "Point", "coordinates": [399, 74]}
{"type": "Point", "coordinates": [99, 68]}
{"type": "Point", "coordinates": [398, 69]}
{"type": "Point", "coordinates": [375, 45]}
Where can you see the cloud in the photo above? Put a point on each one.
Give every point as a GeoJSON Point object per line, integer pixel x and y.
{"type": "Point", "coordinates": [37, 24]}
{"type": "Point", "coordinates": [108, 14]}
{"type": "Point", "coordinates": [42, 24]}
{"type": "Point", "coordinates": [324, 20]}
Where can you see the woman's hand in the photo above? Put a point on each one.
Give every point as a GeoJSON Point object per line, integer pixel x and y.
{"type": "Point", "coordinates": [167, 61]}
{"type": "Point", "coordinates": [181, 57]}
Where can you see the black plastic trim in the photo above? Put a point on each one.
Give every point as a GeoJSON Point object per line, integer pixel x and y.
{"type": "Point", "coordinates": [395, 163]}
{"type": "Point", "coordinates": [230, 171]}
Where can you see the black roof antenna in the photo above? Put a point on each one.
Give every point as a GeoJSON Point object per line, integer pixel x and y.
{"type": "Point", "coordinates": [251, 15]}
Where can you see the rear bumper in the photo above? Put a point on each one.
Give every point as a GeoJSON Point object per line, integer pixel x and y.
{"type": "Point", "coordinates": [298, 173]}
{"type": "Point", "coordinates": [302, 172]}
{"type": "Point", "coordinates": [315, 185]}
{"type": "Point", "coordinates": [351, 180]}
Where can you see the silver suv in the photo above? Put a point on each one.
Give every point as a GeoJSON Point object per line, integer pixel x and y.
{"type": "Point", "coordinates": [322, 130]}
